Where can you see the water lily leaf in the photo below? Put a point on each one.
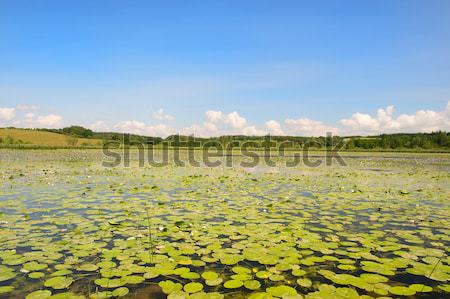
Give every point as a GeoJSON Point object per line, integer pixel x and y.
{"type": "Point", "coordinates": [209, 275]}
{"type": "Point", "coordinates": [214, 282]}
{"type": "Point", "coordinates": [41, 294]}
{"type": "Point", "coordinates": [88, 268]}
{"type": "Point", "coordinates": [403, 291]}
{"type": "Point", "coordinates": [346, 267]}
{"type": "Point", "coordinates": [260, 295]}
{"type": "Point", "coordinates": [133, 279]}
{"type": "Point", "coordinates": [34, 266]}
{"type": "Point", "coordinates": [169, 286]}
{"type": "Point", "coordinates": [190, 275]}
{"type": "Point", "coordinates": [6, 289]}
{"type": "Point", "coordinates": [193, 287]}
{"type": "Point", "coordinates": [36, 275]}
{"type": "Point", "coordinates": [280, 291]}
{"type": "Point", "coordinates": [67, 295]}
{"type": "Point", "coordinates": [108, 283]}
{"type": "Point", "coordinates": [59, 282]}
{"type": "Point", "coordinates": [241, 270]}
{"type": "Point", "coordinates": [298, 272]}
{"type": "Point", "coordinates": [120, 292]}
{"type": "Point", "coordinates": [7, 274]}
{"type": "Point", "coordinates": [263, 274]}
{"type": "Point", "coordinates": [420, 288]}
{"type": "Point", "coordinates": [304, 282]}
{"type": "Point", "coordinates": [276, 277]}
{"type": "Point", "coordinates": [373, 278]}
{"type": "Point", "coordinates": [233, 284]}
{"type": "Point", "coordinates": [252, 284]}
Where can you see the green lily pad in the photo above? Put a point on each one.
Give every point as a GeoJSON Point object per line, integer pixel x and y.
{"type": "Point", "coordinates": [420, 288]}
{"type": "Point", "coordinates": [41, 294]}
{"type": "Point", "coordinates": [402, 291]}
{"type": "Point", "coordinates": [193, 287]}
{"type": "Point", "coordinates": [88, 268]}
{"type": "Point", "coordinates": [120, 292]}
{"type": "Point", "coordinates": [209, 275]}
{"type": "Point", "coordinates": [298, 272]}
{"type": "Point", "coordinates": [169, 286]}
{"type": "Point", "coordinates": [36, 275]}
{"type": "Point", "coordinates": [67, 295]}
{"type": "Point", "coordinates": [281, 291]}
{"type": "Point", "coordinates": [7, 274]}
{"type": "Point", "coordinates": [252, 284]}
{"type": "Point", "coordinates": [6, 289]}
{"type": "Point", "coordinates": [304, 282]}
{"type": "Point", "coordinates": [214, 282]}
{"type": "Point", "coordinates": [233, 284]}
{"type": "Point", "coordinates": [59, 282]}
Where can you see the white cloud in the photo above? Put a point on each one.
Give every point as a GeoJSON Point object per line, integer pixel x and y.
{"type": "Point", "coordinates": [29, 115]}
{"type": "Point", "coordinates": [274, 128]}
{"type": "Point", "coordinates": [218, 123]}
{"type": "Point", "coordinates": [131, 126]}
{"type": "Point", "coordinates": [51, 120]}
{"type": "Point", "coordinates": [214, 116]}
{"type": "Point", "coordinates": [7, 113]}
{"type": "Point", "coordinates": [160, 130]}
{"type": "Point", "coordinates": [210, 127]}
{"type": "Point", "coordinates": [252, 131]}
{"type": "Point", "coordinates": [161, 115]}
{"type": "Point", "coordinates": [99, 126]}
{"type": "Point", "coordinates": [386, 122]}
{"type": "Point", "coordinates": [308, 127]}
{"type": "Point", "coordinates": [233, 119]}
{"type": "Point", "coordinates": [140, 128]}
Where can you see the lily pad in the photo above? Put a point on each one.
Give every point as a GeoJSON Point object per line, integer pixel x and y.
{"type": "Point", "coordinates": [193, 287]}
{"type": "Point", "coordinates": [233, 284]}
{"type": "Point", "coordinates": [40, 294]}
{"type": "Point", "coordinates": [59, 282]}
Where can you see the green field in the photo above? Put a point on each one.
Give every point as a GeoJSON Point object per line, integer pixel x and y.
{"type": "Point", "coordinates": [378, 227]}
{"type": "Point", "coordinates": [29, 137]}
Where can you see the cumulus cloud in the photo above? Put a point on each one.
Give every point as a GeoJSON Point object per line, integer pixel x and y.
{"type": "Point", "coordinates": [30, 119]}
{"type": "Point", "coordinates": [7, 113]}
{"type": "Point", "coordinates": [274, 128]}
{"type": "Point", "coordinates": [214, 116]}
{"type": "Point", "coordinates": [99, 126]}
{"type": "Point", "coordinates": [385, 122]}
{"type": "Point", "coordinates": [51, 120]}
{"type": "Point", "coordinates": [131, 126]}
{"type": "Point", "coordinates": [140, 128]}
{"type": "Point", "coordinates": [161, 115]}
{"type": "Point", "coordinates": [29, 115]}
{"type": "Point", "coordinates": [252, 131]}
{"type": "Point", "coordinates": [216, 123]}
{"type": "Point", "coordinates": [308, 127]}
{"type": "Point", "coordinates": [219, 123]}
{"type": "Point", "coordinates": [161, 130]}
{"type": "Point", "coordinates": [233, 119]}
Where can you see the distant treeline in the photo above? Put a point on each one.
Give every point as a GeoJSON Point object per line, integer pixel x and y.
{"type": "Point", "coordinates": [425, 141]}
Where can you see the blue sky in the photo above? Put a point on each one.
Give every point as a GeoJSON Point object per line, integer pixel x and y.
{"type": "Point", "coordinates": [121, 61]}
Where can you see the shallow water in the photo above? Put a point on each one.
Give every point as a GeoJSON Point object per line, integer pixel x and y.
{"type": "Point", "coordinates": [297, 232]}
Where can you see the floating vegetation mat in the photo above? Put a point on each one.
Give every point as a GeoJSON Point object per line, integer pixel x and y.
{"type": "Point", "coordinates": [376, 228]}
